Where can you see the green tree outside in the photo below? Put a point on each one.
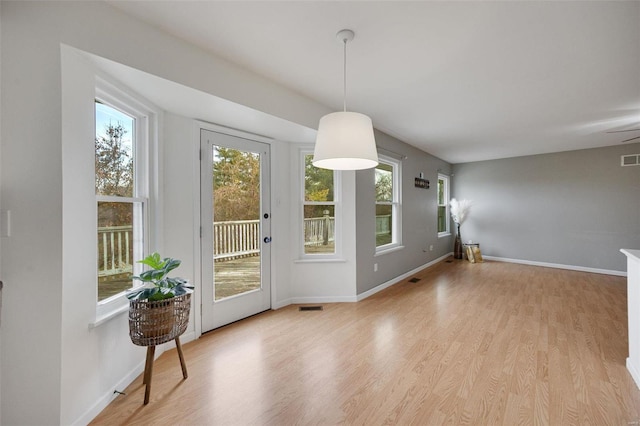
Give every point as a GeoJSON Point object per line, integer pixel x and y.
{"type": "Point", "coordinates": [236, 185]}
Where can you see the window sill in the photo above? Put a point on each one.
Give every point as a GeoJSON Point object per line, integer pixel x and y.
{"type": "Point", "coordinates": [104, 318]}
{"type": "Point", "coordinates": [444, 234]}
{"type": "Point", "coordinates": [324, 260]}
{"type": "Point", "coordinates": [388, 250]}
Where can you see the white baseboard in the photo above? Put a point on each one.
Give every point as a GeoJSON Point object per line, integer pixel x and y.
{"type": "Point", "coordinates": [361, 296]}
{"type": "Point", "coordinates": [557, 266]}
{"type": "Point", "coordinates": [106, 399]}
{"type": "Point", "coordinates": [281, 304]}
{"type": "Point", "coordinates": [312, 300]}
{"type": "Point", "coordinates": [635, 372]}
{"type": "Point", "coordinates": [190, 335]}
{"type": "Point", "coordinates": [323, 299]}
{"type": "Point", "coordinates": [397, 279]}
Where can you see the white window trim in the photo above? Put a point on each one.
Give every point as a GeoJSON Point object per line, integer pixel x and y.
{"type": "Point", "coordinates": [396, 226]}
{"type": "Point", "coordinates": [145, 156]}
{"type": "Point", "coordinates": [336, 256]}
{"type": "Point", "coordinates": [446, 232]}
{"type": "Point", "coordinates": [388, 248]}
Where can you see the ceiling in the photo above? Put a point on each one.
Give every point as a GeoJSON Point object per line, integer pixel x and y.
{"type": "Point", "coordinates": [464, 81]}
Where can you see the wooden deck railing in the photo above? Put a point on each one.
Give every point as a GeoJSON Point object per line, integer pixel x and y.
{"type": "Point", "coordinates": [319, 230]}
{"type": "Point", "coordinates": [383, 224]}
{"type": "Point", "coordinates": [231, 240]}
{"type": "Point", "coordinates": [236, 239]}
{"type": "Point", "coordinates": [115, 250]}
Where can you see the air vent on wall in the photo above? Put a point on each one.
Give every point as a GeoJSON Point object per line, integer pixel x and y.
{"type": "Point", "coordinates": [630, 160]}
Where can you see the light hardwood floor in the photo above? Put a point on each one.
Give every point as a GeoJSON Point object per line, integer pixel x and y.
{"type": "Point", "coordinates": [492, 343]}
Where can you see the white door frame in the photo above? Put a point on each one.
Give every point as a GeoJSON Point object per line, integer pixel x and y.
{"type": "Point", "coordinates": [197, 250]}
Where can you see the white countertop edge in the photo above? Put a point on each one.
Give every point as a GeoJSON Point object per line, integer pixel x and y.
{"type": "Point", "coordinates": [631, 254]}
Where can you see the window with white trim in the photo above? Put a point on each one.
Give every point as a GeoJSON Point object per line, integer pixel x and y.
{"type": "Point", "coordinates": [388, 205]}
{"type": "Point", "coordinates": [121, 184]}
{"type": "Point", "coordinates": [320, 209]}
{"type": "Point", "coordinates": [443, 205]}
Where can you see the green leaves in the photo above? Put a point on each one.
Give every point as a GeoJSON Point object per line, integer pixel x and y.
{"type": "Point", "coordinates": [236, 184]}
{"type": "Point", "coordinates": [153, 261]}
{"type": "Point", "coordinates": [318, 183]}
{"type": "Point", "coordinates": [162, 287]}
{"type": "Point", "coordinates": [384, 182]}
{"type": "Point", "coordinates": [160, 268]}
{"type": "Point", "coordinates": [114, 159]}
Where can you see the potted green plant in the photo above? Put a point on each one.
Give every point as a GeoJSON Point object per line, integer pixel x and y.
{"type": "Point", "coordinates": [158, 285]}
{"type": "Point", "coordinates": [159, 310]}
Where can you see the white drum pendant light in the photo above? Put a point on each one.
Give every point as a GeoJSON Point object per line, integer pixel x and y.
{"type": "Point", "coordinates": [345, 140]}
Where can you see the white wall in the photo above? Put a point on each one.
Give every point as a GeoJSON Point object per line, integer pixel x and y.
{"type": "Point", "coordinates": [180, 177]}
{"type": "Point", "coordinates": [81, 345]}
{"type": "Point", "coordinates": [54, 368]}
{"type": "Point", "coordinates": [181, 200]}
{"type": "Point", "coordinates": [316, 281]}
{"type": "Point", "coordinates": [281, 206]}
{"type": "Point", "coordinates": [32, 190]}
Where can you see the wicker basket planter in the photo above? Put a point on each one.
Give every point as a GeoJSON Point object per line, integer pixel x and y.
{"type": "Point", "coordinates": [158, 311]}
{"type": "Point", "coordinates": [157, 322]}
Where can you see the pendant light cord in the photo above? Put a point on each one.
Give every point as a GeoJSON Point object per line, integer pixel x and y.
{"type": "Point", "coordinates": [344, 97]}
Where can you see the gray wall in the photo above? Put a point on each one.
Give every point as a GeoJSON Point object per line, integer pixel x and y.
{"type": "Point", "coordinates": [576, 208]}
{"type": "Point", "coordinates": [419, 218]}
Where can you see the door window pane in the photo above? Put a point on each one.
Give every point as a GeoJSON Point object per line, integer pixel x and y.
{"type": "Point", "coordinates": [236, 222]}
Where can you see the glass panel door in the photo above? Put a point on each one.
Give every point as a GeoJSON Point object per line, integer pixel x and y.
{"type": "Point", "coordinates": [235, 228]}
{"type": "Point", "coordinates": [236, 221]}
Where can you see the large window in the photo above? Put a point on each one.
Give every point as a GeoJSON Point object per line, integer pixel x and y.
{"type": "Point", "coordinates": [443, 205]}
{"type": "Point", "coordinates": [388, 215]}
{"type": "Point", "coordinates": [319, 205]}
{"type": "Point", "coordinates": [121, 193]}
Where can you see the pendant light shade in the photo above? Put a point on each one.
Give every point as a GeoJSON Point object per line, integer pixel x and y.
{"type": "Point", "coordinates": [345, 140]}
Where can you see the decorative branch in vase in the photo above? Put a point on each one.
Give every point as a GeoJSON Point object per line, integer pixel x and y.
{"type": "Point", "coordinates": [459, 212]}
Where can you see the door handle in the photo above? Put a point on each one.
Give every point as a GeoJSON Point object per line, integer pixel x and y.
{"type": "Point", "coordinates": [267, 240]}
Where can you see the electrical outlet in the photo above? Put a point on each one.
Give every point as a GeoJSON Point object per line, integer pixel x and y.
{"type": "Point", "coordinates": [375, 267]}
{"type": "Point", "coordinates": [431, 247]}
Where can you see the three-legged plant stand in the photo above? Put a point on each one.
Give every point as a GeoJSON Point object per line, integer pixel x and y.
{"type": "Point", "coordinates": [148, 368]}
{"type": "Point", "coordinates": [154, 323]}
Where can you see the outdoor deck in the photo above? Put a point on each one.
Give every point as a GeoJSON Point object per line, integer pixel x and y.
{"type": "Point", "coordinates": [237, 276]}
{"type": "Point", "coordinates": [233, 276]}
{"type": "Point", "coordinates": [237, 246]}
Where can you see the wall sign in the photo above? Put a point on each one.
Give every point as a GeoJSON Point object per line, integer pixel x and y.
{"type": "Point", "coordinates": [419, 182]}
